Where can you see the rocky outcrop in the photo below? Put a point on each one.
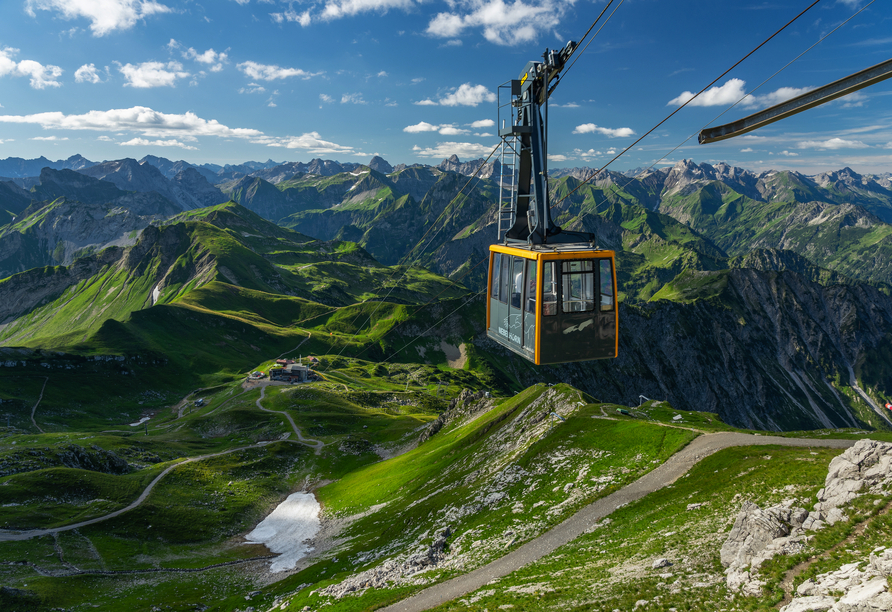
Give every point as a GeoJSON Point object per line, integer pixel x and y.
{"type": "Point", "coordinates": [848, 589]}
{"type": "Point", "coordinates": [100, 460]}
{"type": "Point", "coordinates": [395, 572]}
{"type": "Point", "coordinates": [379, 164]}
{"type": "Point", "coordinates": [760, 534]}
{"type": "Point", "coordinates": [864, 468]}
{"type": "Point", "coordinates": [479, 167]}
{"type": "Point", "coordinates": [462, 407]}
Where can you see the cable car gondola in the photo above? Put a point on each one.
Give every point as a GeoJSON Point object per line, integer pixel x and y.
{"type": "Point", "coordinates": [551, 293]}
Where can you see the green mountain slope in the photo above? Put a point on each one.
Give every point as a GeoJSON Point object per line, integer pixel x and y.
{"type": "Point", "coordinates": [844, 238]}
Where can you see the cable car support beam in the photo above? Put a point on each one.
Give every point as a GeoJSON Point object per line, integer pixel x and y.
{"type": "Point", "coordinates": [811, 99]}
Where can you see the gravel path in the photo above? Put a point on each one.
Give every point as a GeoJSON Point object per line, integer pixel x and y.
{"type": "Point", "coordinates": [7, 536]}
{"type": "Point", "coordinates": [46, 379]}
{"type": "Point", "coordinates": [676, 467]}
{"type": "Point", "coordinates": [315, 444]}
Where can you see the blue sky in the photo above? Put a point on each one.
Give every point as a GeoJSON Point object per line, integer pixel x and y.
{"type": "Point", "coordinates": [226, 81]}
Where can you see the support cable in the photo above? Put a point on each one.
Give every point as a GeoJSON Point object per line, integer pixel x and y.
{"type": "Point", "coordinates": [567, 69]}
{"type": "Point", "coordinates": [714, 81]}
{"type": "Point", "coordinates": [755, 89]}
{"type": "Point", "coordinates": [418, 257]}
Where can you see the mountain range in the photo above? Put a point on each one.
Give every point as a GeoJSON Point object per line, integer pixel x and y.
{"type": "Point", "coordinates": [694, 243]}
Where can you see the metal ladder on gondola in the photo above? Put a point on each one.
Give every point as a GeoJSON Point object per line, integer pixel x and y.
{"type": "Point", "coordinates": [507, 184]}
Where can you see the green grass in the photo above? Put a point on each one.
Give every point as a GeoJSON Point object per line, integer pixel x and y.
{"type": "Point", "coordinates": [446, 480]}
{"type": "Point", "coordinates": [610, 567]}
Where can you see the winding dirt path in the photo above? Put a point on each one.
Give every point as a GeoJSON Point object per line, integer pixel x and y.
{"type": "Point", "coordinates": [46, 379]}
{"type": "Point", "coordinates": [573, 527]}
{"type": "Point", "coordinates": [316, 445]}
{"type": "Point", "coordinates": [8, 536]}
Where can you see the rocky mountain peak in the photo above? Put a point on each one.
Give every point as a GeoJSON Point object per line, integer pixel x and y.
{"type": "Point", "coordinates": [379, 164]}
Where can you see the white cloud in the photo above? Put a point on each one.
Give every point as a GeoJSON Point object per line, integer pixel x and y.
{"type": "Point", "coordinates": [353, 98]}
{"type": "Point", "coordinates": [557, 158]}
{"type": "Point", "coordinates": [483, 123]}
{"type": "Point", "coordinates": [468, 95]}
{"type": "Point", "coordinates": [853, 100]}
{"type": "Point", "coordinates": [421, 127]}
{"type": "Point", "coordinates": [465, 150]}
{"type": "Point", "coordinates": [41, 76]}
{"type": "Point", "coordinates": [729, 93]}
{"type": "Point", "coordinates": [271, 72]}
{"type": "Point", "coordinates": [888, 145]}
{"type": "Point", "coordinates": [417, 80]}
{"type": "Point", "coordinates": [153, 74]}
{"type": "Point", "coordinates": [252, 88]}
{"type": "Point", "coordinates": [455, 42]}
{"type": "Point", "coordinates": [210, 57]}
{"type": "Point", "coordinates": [451, 130]}
{"type": "Point", "coordinates": [382, 74]}
{"type": "Point", "coordinates": [326, 98]}
{"type": "Point", "coordinates": [833, 143]}
{"type": "Point", "coordinates": [447, 129]}
{"type": "Point", "coordinates": [142, 142]}
{"type": "Point", "coordinates": [587, 155]}
{"type": "Point", "coordinates": [311, 142]}
{"type": "Point", "coordinates": [335, 9]}
{"type": "Point", "coordinates": [169, 128]}
{"type": "Point", "coordinates": [425, 103]}
{"type": "Point", "coordinates": [304, 19]}
{"type": "Point", "coordinates": [138, 119]}
{"type": "Point", "coordinates": [776, 97]}
{"type": "Point", "coordinates": [48, 138]}
{"type": "Point", "coordinates": [87, 74]}
{"type": "Point", "coordinates": [788, 154]}
{"type": "Point", "coordinates": [105, 16]}
{"type": "Point", "coordinates": [590, 128]}
{"type": "Point", "coordinates": [567, 105]}
{"type": "Point", "coordinates": [746, 150]}
{"type": "Point", "coordinates": [501, 23]}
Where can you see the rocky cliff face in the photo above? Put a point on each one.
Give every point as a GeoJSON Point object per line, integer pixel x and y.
{"type": "Point", "coordinates": [108, 285]}
{"type": "Point", "coordinates": [188, 188]}
{"type": "Point", "coordinates": [489, 169]}
{"type": "Point", "coordinates": [773, 352]}
{"type": "Point", "coordinates": [79, 214]}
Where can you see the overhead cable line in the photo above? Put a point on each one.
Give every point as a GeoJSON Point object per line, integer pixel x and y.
{"type": "Point", "coordinates": [420, 308]}
{"type": "Point", "coordinates": [694, 97]}
{"type": "Point", "coordinates": [755, 89]}
{"type": "Point", "coordinates": [567, 69]}
{"type": "Point", "coordinates": [407, 256]}
{"type": "Point", "coordinates": [466, 302]}
{"type": "Point", "coordinates": [473, 176]}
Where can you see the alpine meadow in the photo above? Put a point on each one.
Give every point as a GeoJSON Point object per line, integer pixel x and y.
{"type": "Point", "coordinates": [575, 305]}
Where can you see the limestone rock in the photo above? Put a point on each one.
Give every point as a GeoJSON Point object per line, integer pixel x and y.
{"type": "Point", "coordinates": [816, 603]}
{"type": "Point", "coordinates": [661, 562]}
{"type": "Point", "coordinates": [866, 466]}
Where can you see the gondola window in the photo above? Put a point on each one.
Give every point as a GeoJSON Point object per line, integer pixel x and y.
{"type": "Point", "coordinates": [578, 284]}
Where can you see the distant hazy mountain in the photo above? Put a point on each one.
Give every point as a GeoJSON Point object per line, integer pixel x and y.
{"type": "Point", "coordinates": [171, 168]}
{"type": "Point", "coordinates": [72, 214]}
{"type": "Point", "coordinates": [188, 188]}
{"type": "Point", "coordinates": [16, 167]}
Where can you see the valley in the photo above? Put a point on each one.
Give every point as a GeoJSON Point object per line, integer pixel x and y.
{"type": "Point", "coordinates": [138, 297]}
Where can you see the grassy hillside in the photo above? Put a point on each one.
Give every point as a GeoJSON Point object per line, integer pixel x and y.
{"type": "Point", "coordinates": [840, 237]}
